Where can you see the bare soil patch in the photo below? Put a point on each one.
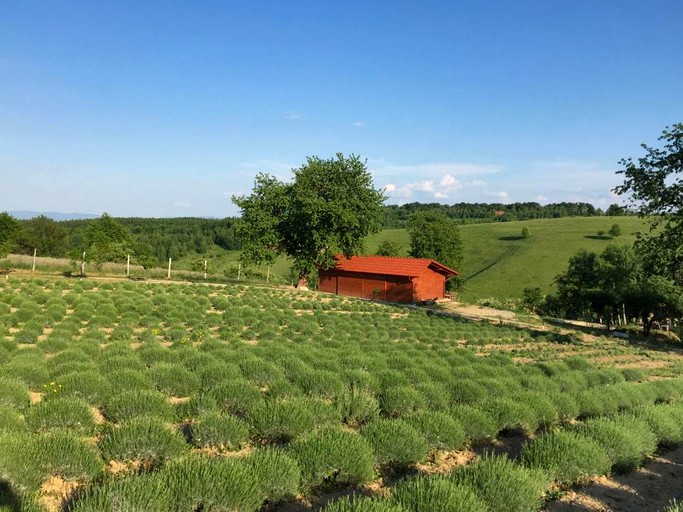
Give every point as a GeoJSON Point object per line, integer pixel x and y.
{"type": "Point", "coordinates": [649, 489]}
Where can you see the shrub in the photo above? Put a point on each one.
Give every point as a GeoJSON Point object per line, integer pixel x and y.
{"type": "Point", "coordinates": [333, 457]}
{"type": "Point", "coordinates": [195, 406]}
{"type": "Point", "coordinates": [566, 456]}
{"type": "Point", "coordinates": [68, 413]}
{"type": "Point", "coordinates": [357, 406]}
{"type": "Point", "coordinates": [174, 379]}
{"type": "Point", "coordinates": [510, 414]}
{"type": "Point", "coordinates": [130, 404]}
{"type": "Point", "coordinates": [479, 425]}
{"type": "Point", "coordinates": [277, 473]}
{"type": "Point", "coordinates": [634, 374]}
{"type": "Point", "coordinates": [219, 430]}
{"type": "Point", "coordinates": [399, 401]}
{"type": "Point", "coordinates": [467, 392]}
{"type": "Point", "coordinates": [141, 438]}
{"type": "Point", "coordinates": [395, 442]}
{"type": "Point", "coordinates": [142, 492]}
{"type": "Point", "coordinates": [441, 431]}
{"type": "Point", "coordinates": [126, 379]}
{"type": "Point", "coordinates": [238, 397]}
{"type": "Point", "coordinates": [503, 484]}
{"type": "Point", "coordinates": [217, 373]}
{"type": "Point", "coordinates": [31, 369]}
{"type": "Point", "coordinates": [664, 421]}
{"type": "Point", "coordinates": [14, 393]}
{"type": "Point", "coordinates": [207, 483]}
{"type": "Point", "coordinates": [430, 493]}
{"type": "Point", "coordinates": [90, 386]}
{"type": "Point", "coordinates": [627, 440]}
{"type": "Point", "coordinates": [279, 421]}
{"type": "Point", "coordinates": [362, 504]}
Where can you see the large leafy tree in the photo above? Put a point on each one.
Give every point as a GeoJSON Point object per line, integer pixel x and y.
{"type": "Point", "coordinates": [107, 240]}
{"type": "Point", "coordinates": [45, 235]}
{"type": "Point", "coordinates": [329, 208]}
{"type": "Point", "coordinates": [10, 228]}
{"type": "Point", "coordinates": [435, 236]}
{"type": "Point", "coordinates": [654, 184]}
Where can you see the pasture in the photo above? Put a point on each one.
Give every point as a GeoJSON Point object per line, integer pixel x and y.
{"type": "Point", "coordinates": [118, 395]}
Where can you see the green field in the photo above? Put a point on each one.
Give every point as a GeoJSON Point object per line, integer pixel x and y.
{"type": "Point", "coordinates": [117, 395]}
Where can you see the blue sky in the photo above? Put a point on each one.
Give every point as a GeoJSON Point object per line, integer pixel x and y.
{"type": "Point", "coordinates": [168, 108]}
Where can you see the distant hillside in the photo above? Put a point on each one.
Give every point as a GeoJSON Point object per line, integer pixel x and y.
{"type": "Point", "coordinates": [28, 214]}
{"type": "Point", "coordinates": [500, 263]}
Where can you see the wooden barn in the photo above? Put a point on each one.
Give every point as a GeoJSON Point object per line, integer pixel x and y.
{"type": "Point", "coordinates": [386, 278]}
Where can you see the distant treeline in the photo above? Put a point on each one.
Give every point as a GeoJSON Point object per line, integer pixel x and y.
{"type": "Point", "coordinates": [155, 240]}
{"type": "Point", "coordinates": [160, 239]}
{"type": "Point", "coordinates": [468, 213]}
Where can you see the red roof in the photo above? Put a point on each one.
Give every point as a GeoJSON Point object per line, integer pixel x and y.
{"type": "Point", "coordinates": [409, 267]}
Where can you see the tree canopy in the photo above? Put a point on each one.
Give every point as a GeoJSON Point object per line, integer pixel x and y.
{"type": "Point", "coordinates": [435, 236]}
{"type": "Point", "coordinates": [107, 240]}
{"type": "Point", "coordinates": [45, 235]}
{"type": "Point", "coordinates": [654, 184]}
{"type": "Point", "coordinates": [329, 208]}
{"type": "Point", "coordinates": [9, 230]}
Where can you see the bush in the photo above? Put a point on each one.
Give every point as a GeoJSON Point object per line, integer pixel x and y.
{"type": "Point", "coordinates": [90, 386]}
{"type": "Point", "coordinates": [566, 456]}
{"type": "Point", "coordinates": [357, 407]}
{"type": "Point", "coordinates": [395, 442]}
{"type": "Point", "coordinates": [503, 484]}
{"type": "Point", "coordinates": [333, 457]}
{"type": "Point", "coordinates": [399, 401]}
{"type": "Point", "coordinates": [441, 431]}
{"type": "Point", "coordinates": [634, 374]}
{"type": "Point", "coordinates": [279, 421]}
{"type": "Point", "coordinates": [141, 492]}
{"type": "Point", "coordinates": [479, 425]}
{"type": "Point", "coordinates": [219, 430]}
{"type": "Point", "coordinates": [627, 440]}
{"type": "Point", "coordinates": [431, 493]}
{"type": "Point", "coordinates": [72, 414]}
{"type": "Point", "coordinates": [277, 473]}
{"type": "Point", "coordinates": [130, 404]}
{"type": "Point", "coordinates": [174, 379]}
{"type": "Point", "coordinates": [238, 397]}
{"type": "Point", "coordinates": [665, 421]}
{"type": "Point", "coordinates": [141, 438]}
{"type": "Point", "coordinates": [126, 379]}
{"type": "Point", "coordinates": [14, 393]}
{"type": "Point", "coordinates": [208, 483]}
{"type": "Point", "coordinates": [361, 504]}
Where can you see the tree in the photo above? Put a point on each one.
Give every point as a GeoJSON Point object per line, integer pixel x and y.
{"type": "Point", "coordinates": [525, 232]}
{"type": "Point", "coordinates": [107, 240]}
{"type": "Point", "coordinates": [329, 208]}
{"type": "Point", "coordinates": [532, 299]}
{"type": "Point", "coordinates": [10, 228]}
{"type": "Point", "coordinates": [388, 248]}
{"type": "Point", "coordinates": [614, 231]}
{"type": "Point", "coordinates": [614, 210]}
{"type": "Point", "coordinates": [654, 184]}
{"type": "Point", "coordinates": [45, 235]}
{"type": "Point", "coordinates": [435, 236]}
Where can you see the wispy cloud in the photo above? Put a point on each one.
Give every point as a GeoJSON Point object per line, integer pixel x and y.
{"type": "Point", "coordinates": [384, 168]}
{"type": "Point", "coordinates": [292, 115]}
{"type": "Point", "coordinates": [359, 124]}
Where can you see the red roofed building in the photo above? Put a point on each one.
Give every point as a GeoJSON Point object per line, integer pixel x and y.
{"type": "Point", "coordinates": [386, 278]}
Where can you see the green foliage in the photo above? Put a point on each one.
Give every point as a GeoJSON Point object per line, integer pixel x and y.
{"type": "Point", "coordinates": [141, 438]}
{"type": "Point", "coordinates": [13, 393]}
{"type": "Point", "coordinates": [566, 456]}
{"type": "Point", "coordinates": [532, 299]}
{"type": "Point", "coordinates": [653, 184]}
{"type": "Point", "coordinates": [333, 457]}
{"type": "Point", "coordinates": [44, 234]}
{"type": "Point", "coordinates": [357, 406]}
{"type": "Point", "coordinates": [130, 404]}
{"type": "Point", "coordinates": [627, 440]}
{"type": "Point", "coordinates": [401, 401]}
{"type": "Point", "coordinates": [503, 484]}
{"type": "Point", "coordinates": [395, 442]}
{"type": "Point", "coordinates": [144, 492]}
{"type": "Point", "coordinates": [9, 230]}
{"type": "Point", "coordinates": [174, 379]}
{"type": "Point", "coordinates": [278, 421]}
{"type": "Point", "coordinates": [614, 231]}
{"type": "Point", "coordinates": [430, 493]}
{"type": "Point", "coordinates": [212, 484]}
{"type": "Point", "coordinates": [479, 426]}
{"type": "Point", "coordinates": [388, 248]}
{"type": "Point", "coordinates": [89, 385]}
{"type": "Point", "coordinates": [277, 473]}
{"type": "Point", "coordinates": [526, 233]}
{"type": "Point", "coordinates": [435, 236]}
{"type": "Point", "coordinates": [328, 209]}
{"type": "Point", "coordinates": [218, 430]}
{"type": "Point", "coordinates": [441, 431]}
{"type": "Point", "coordinates": [361, 504]}
{"type": "Point", "coordinates": [72, 414]}
{"type": "Point", "coordinates": [107, 240]}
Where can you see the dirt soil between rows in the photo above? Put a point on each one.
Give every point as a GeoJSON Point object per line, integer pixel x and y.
{"type": "Point", "coordinates": [650, 489]}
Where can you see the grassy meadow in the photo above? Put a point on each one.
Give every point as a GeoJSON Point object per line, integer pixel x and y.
{"type": "Point", "coordinates": [119, 395]}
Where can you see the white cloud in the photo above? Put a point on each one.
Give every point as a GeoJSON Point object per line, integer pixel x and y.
{"type": "Point", "coordinates": [541, 199]}
{"type": "Point", "coordinates": [500, 195]}
{"type": "Point", "coordinates": [359, 124]}
{"type": "Point", "coordinates": [382, 167]}
{"type": "Point", "coordinates": [292, 115]}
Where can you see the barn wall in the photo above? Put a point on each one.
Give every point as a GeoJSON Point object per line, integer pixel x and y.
{"type": "Point", "coordinates": [352, 284]}
{"type": "Point", "coordinates": [430, 285]}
